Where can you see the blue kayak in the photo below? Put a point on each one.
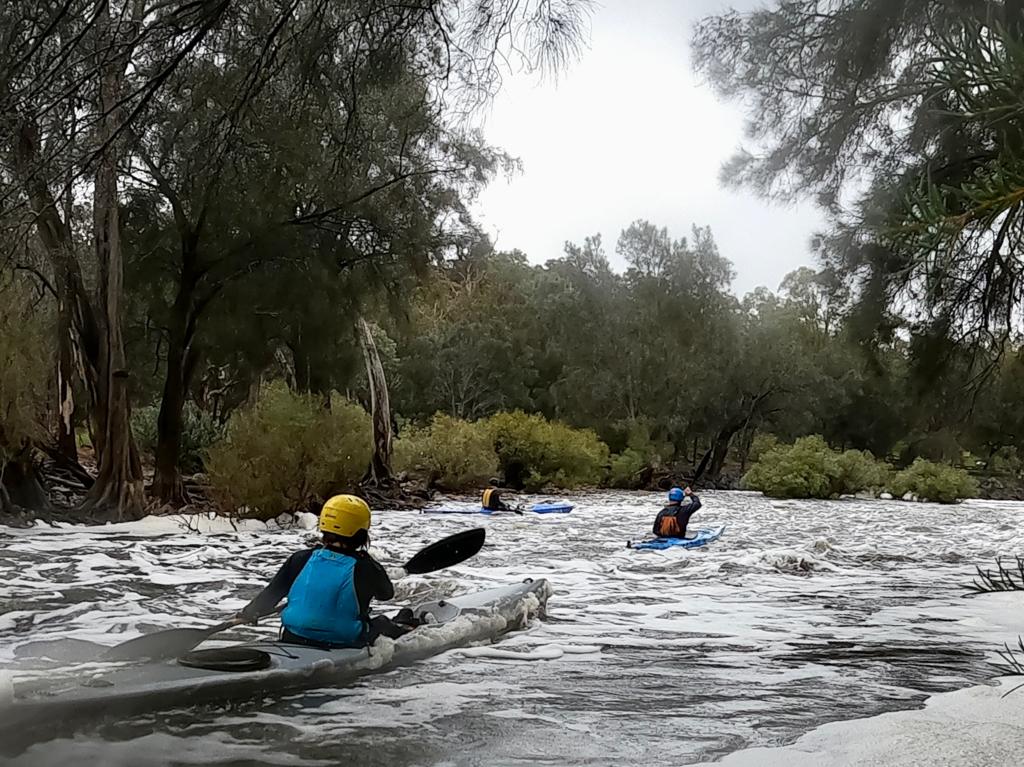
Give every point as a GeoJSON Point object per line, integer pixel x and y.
{"type": "Point", "coordinates": [551, 508]}
{"type": "Point", "coordinates": [702, 538]}
{"type": "Point", "coordinates": [537, 508]}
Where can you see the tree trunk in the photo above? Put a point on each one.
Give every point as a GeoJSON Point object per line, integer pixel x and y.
{"type": "Point", "coordinates": [167, 482]}
{"type": "Point", "coordinates": [720, 449]}
{"type": "Point", "coordinates": [79, 337]}
{"type": "Point", "coordinates": [67, 444]}
{"type": "Point", "coordinates": [1013, 11]}
{"type": "Point", "coordinates": [118, 492]}
{"type": "Point", "coordinates": [747, 440]}
{"type": "Point", "coordinates": [380, 409]}
{"type": "Point", "coordinates": [21, 486]}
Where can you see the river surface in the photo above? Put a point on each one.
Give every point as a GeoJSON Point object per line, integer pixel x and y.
{"type": "Point", "coordinates": [803, 613]}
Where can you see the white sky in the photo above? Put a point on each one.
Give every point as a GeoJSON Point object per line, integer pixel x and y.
{"type": "Point", "coordinates": [628, 132]}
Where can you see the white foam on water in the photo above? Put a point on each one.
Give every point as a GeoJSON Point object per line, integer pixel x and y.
{"type": "Point", "coordinates": [975, 727]}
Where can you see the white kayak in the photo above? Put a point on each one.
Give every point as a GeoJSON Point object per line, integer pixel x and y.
{"type": "Point", "coordinates": [101, 689]}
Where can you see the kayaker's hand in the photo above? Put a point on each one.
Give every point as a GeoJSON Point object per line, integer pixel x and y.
{"type": "Point", "coordinates": [245, 617]}
{"type": "Point", "coordinates": [688, 491]}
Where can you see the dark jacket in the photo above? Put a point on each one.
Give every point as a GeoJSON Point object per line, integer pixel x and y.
{"type": "Point", "coordinates": [491, 501]}
{"type": "Point", "coordinates": [371, 582]}
{"type": "Point", "coordinates": [671, 521]}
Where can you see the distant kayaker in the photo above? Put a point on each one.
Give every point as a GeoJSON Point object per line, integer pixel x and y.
{"type": "Point", "coordinates": [491, 501]}
{"type": "Point", "coordinates": [329, 587]}
{"type": "Point", "coordinates": [672, 520]}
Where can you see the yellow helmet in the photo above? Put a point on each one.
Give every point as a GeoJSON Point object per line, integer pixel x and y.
{"type": "Point", "coordinates": [344, 515]}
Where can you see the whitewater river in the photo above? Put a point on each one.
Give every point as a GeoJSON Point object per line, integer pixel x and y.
{"type": "Point", "coordinates": [803, 613]}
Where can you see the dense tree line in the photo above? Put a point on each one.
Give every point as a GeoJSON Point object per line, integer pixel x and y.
{"type": "Point", "coordinates": [665, 349]}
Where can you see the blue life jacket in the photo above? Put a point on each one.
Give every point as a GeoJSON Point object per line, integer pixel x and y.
{"type": "Point", "coordinates": [322, 602]}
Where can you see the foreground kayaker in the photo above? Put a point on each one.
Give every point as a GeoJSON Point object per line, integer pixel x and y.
{"type": "Point", "coordinates": [491, 501]}
{"type": "Point", "coordinates": [51, 702]}
{"type": "Point", "coordinates": [329, 587]}
{"type": "Point", "coordinates": [672, 520]}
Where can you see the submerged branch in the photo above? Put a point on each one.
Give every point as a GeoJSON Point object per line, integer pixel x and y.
{"type": "Point", "coordinates": [1003, 579]}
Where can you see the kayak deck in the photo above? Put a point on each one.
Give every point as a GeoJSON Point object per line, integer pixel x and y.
{"type": "Point", "coordinates": [702, 538]}
{"type": "Point", "coordinates": [537, 508]}
{"type": "Point", "coordinates": [95, 690]}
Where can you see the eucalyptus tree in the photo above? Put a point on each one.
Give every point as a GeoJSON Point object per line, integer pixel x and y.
{"type": "Point", "coordinates": [902, 118]}
{"type": "Point", "coordinates": [92, 93]}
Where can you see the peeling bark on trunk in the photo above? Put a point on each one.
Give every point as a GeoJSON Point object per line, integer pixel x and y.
{"type": "Point", "coordinates": [379, 473]}
{"type": "Point", "coordinates": [67, 444]}
{"type": "Point", "coordinates": [118, 492]}
{"type": "Point", "coordinates": [78, 338]}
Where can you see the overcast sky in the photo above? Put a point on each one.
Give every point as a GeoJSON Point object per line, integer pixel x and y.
{"type": "Point", "coordinates": [628, 132]}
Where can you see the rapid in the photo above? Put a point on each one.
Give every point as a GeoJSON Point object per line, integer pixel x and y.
{"type": "Point", "coordinates": [803, 613]}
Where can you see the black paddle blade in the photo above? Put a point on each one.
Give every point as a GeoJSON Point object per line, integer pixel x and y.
{"type": "Point", "coordinates": [447, 552]}
{"type": "Point", "coordinates": [163, 644]}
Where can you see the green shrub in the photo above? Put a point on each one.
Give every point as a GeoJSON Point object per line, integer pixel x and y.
{"type": "Point", "coordinates": [289, 452]}
{"type": "Point", "coordinates": [199, 433]}
{"type": "Point", "coordinates": [859, 470]}
{"type": "Point", "coordinates": [451, 453]}
{"type": "Point", "coordinates": [626, 469]}
{"type": "Point", "coordinates": [934, 482]}
{"type": "Point", "coordinates": [640, 451]}
{"type": "Point", "coordinates": [534, 453]}
{"type": "Point", "coordinates": [761, 444]}
{"type": "Point", "coordinates": [809, 468]}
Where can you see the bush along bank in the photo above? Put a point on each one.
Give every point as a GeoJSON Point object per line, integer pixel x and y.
{"type": "Point", "coordinates": [522, 451]}
{"type": "Point", "coordinates": [810, 468]}
{"type": "Point", "coordinates": [287, 453]}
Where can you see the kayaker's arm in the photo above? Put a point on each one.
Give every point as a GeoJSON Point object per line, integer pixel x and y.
{"type": "Point", "coordinates": [695, 503]}
{"type": "Point", "coordinates": [278, 587]}
{"type": "Point", "coordinates": [371, 582]}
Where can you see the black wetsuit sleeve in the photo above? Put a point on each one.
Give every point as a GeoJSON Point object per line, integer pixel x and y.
{"type": "Point", "coordinates": [279, 586]}
{"type": "Point", "coordinates": [686, 513]}
{"type": "Point", "coordinates": [371, 582]}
